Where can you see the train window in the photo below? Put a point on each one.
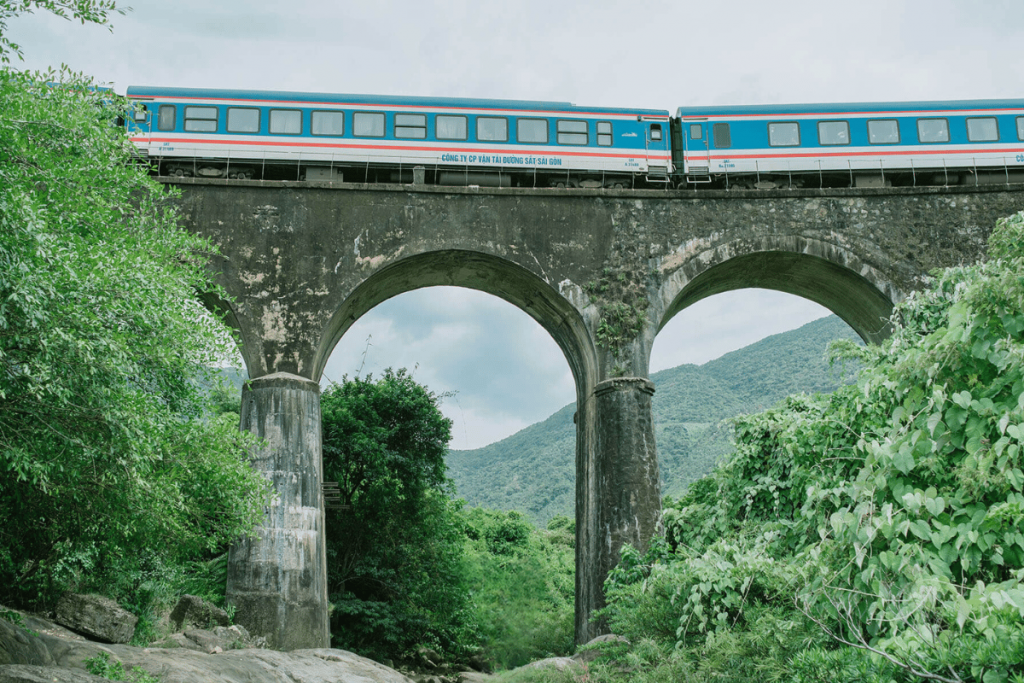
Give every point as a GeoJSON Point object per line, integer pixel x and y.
{"type": "Point", "coordinates": [165, 117]}
{"type": "Point", "coordinates": [695, 131]}
{"type": "Point", "coordinates": [201, 119]}
{"type": "Point", "coordinates": [833, 132]}
{"type": "Point", "coordinates": [884, 132]}
{"type": "Point", "coordinates": [243, 120]}
{"type": "Point", "coordinates": [604, 133]}
{"type": "Point", "coordinates": [655, 131]}
{"type": "Point", "coordinates": [933, 130]}
{"type": "Point", "coordinates": [723, 139]}
{"type": "Point", "coordinates": [285, 121]}
{"type": "Point", "coordinates": [368, 125]}
{"type": "Point", "coordinates": [328, 123]}
{"type": "Point", "coordinates": [450, 127]}
{"type": "Point", "coordinates": [982, 129]}
{"type": "Point", "coordinates": [1020, 127]}
{"type": "Point", "coordinates": [572, 132]}
{"type": "Point", "coordinates": [411, 126]}
{"type": "Point", "coordinates": [532, 130]}
{"type": "Point", "coordinates": [784, 134]}
{"type": "Point", "coordinates": [491, 129]}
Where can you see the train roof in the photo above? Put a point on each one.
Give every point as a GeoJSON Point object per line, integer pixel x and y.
{"type": "Point", "coordinates": [833, 108]}
{"type": "Point", "coordinates": [142, 91]}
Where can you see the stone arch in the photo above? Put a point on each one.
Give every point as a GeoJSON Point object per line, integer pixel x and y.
{"type": "Point", "coordinates": [474, 270]}
{"type": "Point", "coordinates": [822, 272]}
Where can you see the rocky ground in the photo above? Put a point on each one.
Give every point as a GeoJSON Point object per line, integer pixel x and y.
{"type": "Point", "coordinates": [39, 650]}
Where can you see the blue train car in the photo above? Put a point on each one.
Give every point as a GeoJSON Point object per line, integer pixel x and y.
{"type": "Point", "coordinates": [290, 135]}
{"type": "Point", "coordinates": [861, 144]}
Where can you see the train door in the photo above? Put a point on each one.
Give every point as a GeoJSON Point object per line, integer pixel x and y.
{"type": "Point", "coordinates": [657, 149]}
{"type": "Point", "coordinates": [696, 147]}
{"type": "Point", "coordinates": [140, 125]}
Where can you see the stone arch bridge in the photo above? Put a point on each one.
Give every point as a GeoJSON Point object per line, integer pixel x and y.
{"type": "Point", "coordinates": [602, 271]}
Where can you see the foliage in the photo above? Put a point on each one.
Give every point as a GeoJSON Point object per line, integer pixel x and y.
{"type": "Point", "coordinates": [522, 583]}
{"type": "Point", "coordinates": [534, 470]}
{"type": "Point", "coordinates": [394, 552]}
{"type": "Point", "coordinates": [108, 463]}
{"type": "Point", "coordinates": [102, 666]}
{"type": "Point", "coordinates": [879, 529]}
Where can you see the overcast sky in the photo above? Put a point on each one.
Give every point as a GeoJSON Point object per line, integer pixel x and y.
{"type": "Point", "coordinates": [505, 369]}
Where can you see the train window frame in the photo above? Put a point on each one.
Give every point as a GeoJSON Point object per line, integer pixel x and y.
{"type": "Point", "coordinates": [771, 143]}
{"type": "Point", "coordinates": [191, 122]}
{"type": "Point", "coordinates": [605, 138]}
{"type": "Point", "coordinates": [383, 117]}
{"type": "Point", "coordinates": [722, 135]}
{"type": "Point", "coordinates": [1020, 128]}
{"type": "Point", "coordinates": [481, 119]}
{"type": "Point", "coordinates": [846, 133]}
{"type": "Point", "coordinates": [270, 121]}
{"type": "Point", "coordinates": [700, 131]}
{"type": "Point", "coordinates": [656, 128]}
{"type": "Point", "coordinates": [335, 112]}
{"type": "Point", "coordinates": [403, 129]}
{"type": "Point", "coordinates": [943, 119]}
{"type": "Point", "coordinates": [519, 131]}
{"type": "Point", "coordinates": [244, 131]}
{"type": "Point", "coordinates": [465, 127]}
{"type": "Point", "coordinates": [899, 136]}
{"type": "Point", "coordinates": [995, 122]}
{"type": "Point", "coordinates": [559, 133]}
{"type": "Point", "coordinates": [161, 119]}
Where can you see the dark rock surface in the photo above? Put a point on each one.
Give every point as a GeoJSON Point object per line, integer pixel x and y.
{"type": "Point", "coordinates": [45, 674]}
{"type": "Point", "coordinates": [97, 617]}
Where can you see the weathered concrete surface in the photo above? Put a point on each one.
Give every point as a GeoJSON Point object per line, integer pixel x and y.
{"type": "Point", "coordinates": [278, 580]}
{"type": "Point", "coordinates": [625, 486]}
{"type": "Point", "coordinates": [602, 271]}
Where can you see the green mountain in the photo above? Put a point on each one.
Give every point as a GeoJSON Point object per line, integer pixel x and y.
{"type": "Point", "coordinates": [534, 470]}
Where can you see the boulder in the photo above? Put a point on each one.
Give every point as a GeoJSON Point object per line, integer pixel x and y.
{"type": "Point", "coordinates": [193, 610]}
{"type": "Point", "coordinates": [590, 651]}
{"type": "Point", "coordinates": [177, 640]}
{"type": "Point", "coordinates": [26, 654]}
{"type": "Point", "coordinates": [474, 677]}
{"type": "Point", "coordinates": [559, 663]}
{"type": "Point", "coordinates": [20, 673]}
{"type": "Point", "coordinates": [96, 617]}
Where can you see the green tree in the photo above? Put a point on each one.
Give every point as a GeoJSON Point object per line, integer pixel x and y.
{"type": "Point", "coordinates": [395, 549]}
{"type": "Point", "coordinates": [522, 582]}
{"type": "Point", "coordinates": [108, 464]}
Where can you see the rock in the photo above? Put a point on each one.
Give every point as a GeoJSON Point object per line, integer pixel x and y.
{"type": "Point", "coordinates": [194, 610]}
{"type": "Point", "coordinates": [96, 617]}
{"type": "Point", "coordinates": [474, 677]}
{"type": "Point", "coordinates": [478, 662]}
{"type": "Point", "coordinates": [177, 640]}
{"type": "Point", "coordinates": [589, 651]}
{"type": "Point", "coordinates": [206, 640]}
{"type": "Point", "coordinates": [53, 656]}
{"type": "Point", "coordinates": [559, 663]}
{"type": "Point", "coordinates": [19, 673]}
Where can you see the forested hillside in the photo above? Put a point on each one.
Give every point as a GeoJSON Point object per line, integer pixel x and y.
{"type": "Point", "coordinates": [534, 471]}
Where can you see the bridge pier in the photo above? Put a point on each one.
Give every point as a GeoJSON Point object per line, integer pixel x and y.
{"type": "Point", "coordinates": [277, 581]}
{"type": "Point", "coordinates": [619, 499]}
